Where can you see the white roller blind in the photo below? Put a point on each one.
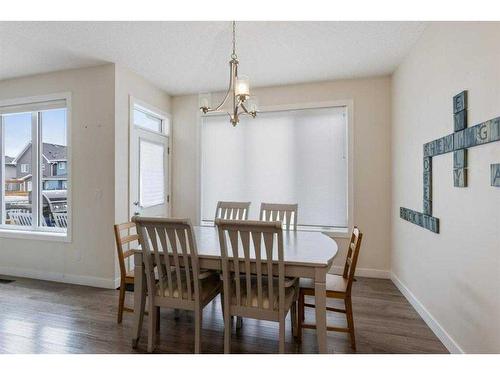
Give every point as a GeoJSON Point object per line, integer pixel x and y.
{"type": "Point", "coordinates": [151, 173]}
{"type": "Point", "coordinates": [297, 156]}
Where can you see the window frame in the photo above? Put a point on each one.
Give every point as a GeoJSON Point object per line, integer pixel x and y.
{"type": "Point", "coordinates": [28, 104]}
{"type": "Point", "coordinates": [336, 232]}
{"type": "Point", "coordinates": [148, 110]}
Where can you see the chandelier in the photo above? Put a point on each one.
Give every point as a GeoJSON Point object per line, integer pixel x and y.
{"type": "Point", "coordinates": [239, 89]}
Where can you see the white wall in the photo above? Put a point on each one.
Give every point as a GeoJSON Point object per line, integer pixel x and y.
{"type": "Point", "coordinates": [128, 83]}
{"type": "Point", "coordinates": [99, 146]}
{"type": "Point", "coordinates": [89, 258]}
{"type": "Point", "coordinates": [372, 124]}
{"type": "Point", "coordinates": [453, 277]}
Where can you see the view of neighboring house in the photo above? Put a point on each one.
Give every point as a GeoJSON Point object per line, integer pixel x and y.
{"type": "Point", "coordinates": [12, 183]}
{"type": "Point", "coordinates": [10, 168]}
{"type": "Point", "coordinates": [54, 167]}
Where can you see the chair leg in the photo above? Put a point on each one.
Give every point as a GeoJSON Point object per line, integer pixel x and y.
{"type": "Point", "coordinates": [198, 319]}
{"type": "Point", "coordinates": [157, 318]}
{"type": "Point", "coordinates": [239, 322]}
{"type": "Point", "coordinates": [301, 317]}
{"type": "Point", "coordinates": [228, 319]}
{"type": "Point", "coordinates": [152, 316]}
{"type": "Point", "coordinates": [350, 321]}
{"type": "Point", "coordinates": [293, 319]}
{"type": "Point", "coordinates": [282, 334]}
{"type": "Point", "coordinates": [222, 304]}
{"type": "Point", "coordinates": [121, 302]}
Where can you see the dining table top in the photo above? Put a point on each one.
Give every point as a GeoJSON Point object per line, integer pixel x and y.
{"type": "Point", "coordinates": [308, 248]}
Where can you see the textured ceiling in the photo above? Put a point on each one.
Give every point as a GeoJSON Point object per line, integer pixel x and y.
{"type": "Point", "coordinates": [192, 57]}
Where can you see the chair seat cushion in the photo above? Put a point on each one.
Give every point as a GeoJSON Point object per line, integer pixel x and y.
{"type": "Point", "coordinates": [210, 286]}
{"type": "Point", "coordinates": [290, 293]}
{"type": "Point", "coordinates": [334, 283]}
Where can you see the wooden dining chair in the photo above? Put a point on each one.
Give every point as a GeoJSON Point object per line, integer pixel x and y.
{"type": "Point", "coordinates": [180, 283]}
{"type": "Point", "coordinates": [126, 276]}
{"type": "Point", "coordinates": [287, 213]}
{"type": "Point", "coordinates": [338, 287]}
{"type": "Point", "coordinates": [253, 273]}
{"type": "Point", "coordinates": [232, 210]}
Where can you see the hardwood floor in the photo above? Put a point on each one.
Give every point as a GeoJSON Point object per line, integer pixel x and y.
{"type": "Point", "coordinates": [47, 317]}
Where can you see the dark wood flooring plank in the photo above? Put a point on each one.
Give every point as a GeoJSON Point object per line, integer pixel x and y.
{"type": "Point", "coordinates": [46, 317]}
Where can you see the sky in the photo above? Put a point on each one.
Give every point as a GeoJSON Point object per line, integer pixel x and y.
{"type": "Point", "coordinates": [18, 130]}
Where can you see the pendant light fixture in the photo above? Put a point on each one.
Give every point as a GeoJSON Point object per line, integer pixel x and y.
{"type": "Point", "coordinates": [239, 90]}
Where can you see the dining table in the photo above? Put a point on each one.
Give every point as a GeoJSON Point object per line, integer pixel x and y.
{"type": "Point", "coordinates": [307, 254]}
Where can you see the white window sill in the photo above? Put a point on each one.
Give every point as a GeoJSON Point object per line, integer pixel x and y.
{"type": "Point", "coordinates": [34, 235]}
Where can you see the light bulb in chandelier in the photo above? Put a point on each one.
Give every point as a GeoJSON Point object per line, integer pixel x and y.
{"type": "Point", "coordinates": [252, 105]}
{"type": "Point", "coordinates": [242, 89]}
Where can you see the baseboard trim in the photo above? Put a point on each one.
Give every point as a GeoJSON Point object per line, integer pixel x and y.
{"type": "Point", "coordinates": [98, 282]}
{"type": "Point", "coordinates": [364, 272]}
{"type": "Point", "coordinates": [433, 324]}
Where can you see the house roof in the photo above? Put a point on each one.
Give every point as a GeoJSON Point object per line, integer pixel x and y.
{"type": "Point", "coordinates": [54, 152]}
{"type": "Point", "coordinates": [51, 152]}
{"type": "Point", "coordinates": [9, 159]}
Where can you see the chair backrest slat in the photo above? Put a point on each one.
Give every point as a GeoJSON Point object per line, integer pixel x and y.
{"type": "Point", "coordinates": [122, 240]}
{"type": "Point", "coordinates": [152, 234]}
{"type": "Point", "coordinates": [173, 246]}
{"type": "Point", "coordinates": [129, 238]}
{"type": "Point", "coordinates": [233, 238]}
{"type": "Point", "coordinates": [268, 243]}
{"type": "Point", "coordinates": [352, 257]}
{"type": "Point", "coordinates": [232, 210]}
{"type": "Point", "coordinates": [268, 233]}
{"type": "Point", "coordinates": [287, 213]}
{"type": "Point", "coordinates": [169, 238]}
{"type": "Point", "coordinates": [245, 242]}
{"type": "Point", "coordinates": [185, 257]}
{"type": "Point", "coordinates": [256, 240]}
{"type": "Point", "coordinates": [168, 269]}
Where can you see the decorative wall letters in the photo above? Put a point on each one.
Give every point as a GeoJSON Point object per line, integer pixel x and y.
{"type": "Point", "coordinates": [495, 175]}
{"type": "Point", "coordinates": [458, 142]}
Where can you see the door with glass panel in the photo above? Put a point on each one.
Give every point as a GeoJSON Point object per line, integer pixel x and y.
{"type": "Point", "coordinates": [149, 161]}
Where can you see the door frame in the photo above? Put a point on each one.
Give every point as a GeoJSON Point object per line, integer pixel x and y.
{"type": "Point", "coordinates": [167, 119]}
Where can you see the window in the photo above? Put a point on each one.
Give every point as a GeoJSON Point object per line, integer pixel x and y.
{"type": "Point", "coordinates": [292, 156]}
{"type": "Point", "coordinates": [147, 120]}
{"type": "Point", "coordinates": [33, 137]}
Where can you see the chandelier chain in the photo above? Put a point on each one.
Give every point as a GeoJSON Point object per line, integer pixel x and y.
{"type": "Point", "coordinates": [233, 55]}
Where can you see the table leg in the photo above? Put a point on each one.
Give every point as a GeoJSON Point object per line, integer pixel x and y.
{"type": "Point", "coordinates": [320, 302]}
{"type": "Point", "coordinates": [139, 297]}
